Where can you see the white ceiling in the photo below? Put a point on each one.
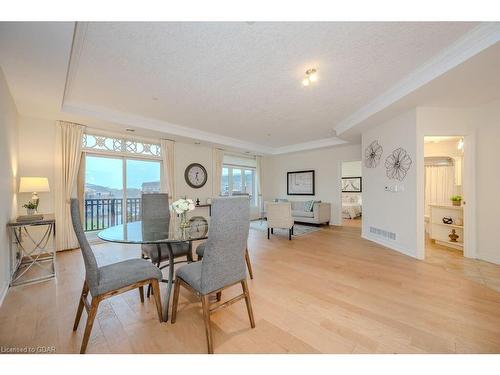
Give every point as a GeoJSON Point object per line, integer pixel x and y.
{"type": "Point", "coordinates": [235, 84]}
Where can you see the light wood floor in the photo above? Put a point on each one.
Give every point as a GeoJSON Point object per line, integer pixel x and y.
{"type": "Point", "coordinates": [356, 223]}
{"type": "Point", "coordinates": [329, 292]}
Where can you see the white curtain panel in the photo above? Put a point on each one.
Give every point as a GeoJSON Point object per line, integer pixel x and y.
{"type": "Point", "coordinates": [260, 201]}
{"type": "Point", "coordinates": [218, 160]}
{"type": "Point", "coordinates": [168, 169]}
{"type": "Point", "coordinates": [439, 185]}
{"type": "Point", "coordinates": [68, 155]}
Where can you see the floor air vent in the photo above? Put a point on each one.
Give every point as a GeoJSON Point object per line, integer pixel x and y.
{"type": "Point", "coordinates": [383, 233]}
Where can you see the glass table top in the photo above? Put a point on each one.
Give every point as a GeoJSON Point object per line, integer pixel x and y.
{"type": "Point", "coordinates": [156, 231]}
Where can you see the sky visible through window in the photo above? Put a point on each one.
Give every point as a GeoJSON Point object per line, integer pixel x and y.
{"type": "Point", "coordinates": [108, 172]}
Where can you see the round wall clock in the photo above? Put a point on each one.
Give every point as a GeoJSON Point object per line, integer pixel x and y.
{"type": "Point", "coordinates": [195, 175]}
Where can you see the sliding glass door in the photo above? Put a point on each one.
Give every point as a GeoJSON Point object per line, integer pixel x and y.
{"type": "Point", "coordinates": [142, 177]}
{"type": "Point", "coordinates": [113, 189]}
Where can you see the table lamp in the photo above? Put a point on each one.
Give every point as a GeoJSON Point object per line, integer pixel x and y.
{"type": "Point", "coordinates": [34, 185]}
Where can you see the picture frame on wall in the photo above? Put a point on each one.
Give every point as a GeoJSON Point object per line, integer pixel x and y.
{"type": "Point", "coordinates": [300, 183]}
{"type": "Point", "coordinates": [352, 184]}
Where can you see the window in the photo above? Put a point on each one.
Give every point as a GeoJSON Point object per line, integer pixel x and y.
{"type": "Point", "coordinates": [114, 187]}
{"type": "Point", "coordinates": [108, 144]}
{"type": "Point", "coordinates": [117, 172]}
{"type": "Point", "coordinates": [238, 181]}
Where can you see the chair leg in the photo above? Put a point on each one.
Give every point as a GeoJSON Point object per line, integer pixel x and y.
{"type": "Point", "coordinates": [268, 231]}
{"type": "Point", "coordinates": [156, 294]}
{"type": "Point", "coordinates": [272, 230]}
{"type": "Point", "coordinates": [292, 230]}
{"type": "Point", "coordinates": [141, 293]}
{"type": "Point", "coordinates": [246, 292]}
{"type": "Point", "coordinates": [249, 265]}
{"type": "Point", "coordinates": [90, 322]}
{"type": "Point", "coordinates": [149, 291]}
{"type": "Point", "coordinates": [218, 296]}
{"type": "Point", "coordinates": [290, 234]}
{"type": "Point", "coordinates": [85, 292]}
{"type": "Point", "coordinates": [206, 317]}
{"type": "Point", "coordinates": [177, 289]}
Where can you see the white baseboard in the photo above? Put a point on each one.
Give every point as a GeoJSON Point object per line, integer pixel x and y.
{"type": "Point", "coordinates": [490, 259]}
{"type": "Point", "coordinates": [391, 245]}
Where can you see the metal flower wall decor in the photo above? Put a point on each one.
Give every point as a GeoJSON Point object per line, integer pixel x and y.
{"type": "Point", "coordinates": [397, 164]}
{"type": "Point", "coordinates": [373, 153]}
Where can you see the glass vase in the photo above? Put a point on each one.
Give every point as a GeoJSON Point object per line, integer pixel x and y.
{"type": "Point", "coordinates": [184, 221]}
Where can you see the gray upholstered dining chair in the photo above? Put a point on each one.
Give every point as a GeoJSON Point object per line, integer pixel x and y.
{"type": "Point", "coordinates": [110, 280]}
{"type": "Point", "coordinates": [223, 263]}
{"type": "Point", "coordinates": [200, 250]}
{"type": "Point", "coordinates": [155, 207]}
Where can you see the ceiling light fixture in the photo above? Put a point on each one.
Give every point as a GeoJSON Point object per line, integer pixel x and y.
{"type": "Point", "coordinates": [130, 130]}
{"type": "Point", "coordinates": [311, 76]}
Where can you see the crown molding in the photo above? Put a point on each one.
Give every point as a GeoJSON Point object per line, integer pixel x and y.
{"type": "Point", "coordinates": [320, 143]}
{"type": "Point", "coordinates": [126, 119]}
{"type": "Point", "coordinates": [475, 41]}
{"type": "Point", "coordinates": [135, 121]}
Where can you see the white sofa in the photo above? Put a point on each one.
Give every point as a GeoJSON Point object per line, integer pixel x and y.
{"type": "Point", "coordinates": [319, 215]}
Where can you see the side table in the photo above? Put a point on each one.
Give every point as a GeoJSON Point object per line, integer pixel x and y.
{"type": "Point", "coordinates": [34, 256]}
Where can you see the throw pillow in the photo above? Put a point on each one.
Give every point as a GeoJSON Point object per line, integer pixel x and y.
{"type": "Point", "coordinates": [308, 206]}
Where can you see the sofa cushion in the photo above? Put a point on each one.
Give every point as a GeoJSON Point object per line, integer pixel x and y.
{"type": "Point", "coordinates": [302, 213]}
{"type": "Point", "coordinates": [297, 206]}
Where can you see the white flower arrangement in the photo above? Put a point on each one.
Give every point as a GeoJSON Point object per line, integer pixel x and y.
{"type": "Point", "coordinates": [182, 206]}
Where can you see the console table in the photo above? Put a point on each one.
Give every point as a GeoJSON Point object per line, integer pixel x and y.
{"type": "Point", "coordinates": [34, 254]}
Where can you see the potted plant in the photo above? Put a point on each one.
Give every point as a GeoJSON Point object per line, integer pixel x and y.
{"type": "Point", "coordinates": [30, 208]}
{"type": "Point", "coordinates": [456, 200]}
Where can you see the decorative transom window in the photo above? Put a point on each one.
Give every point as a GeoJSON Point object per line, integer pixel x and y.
{"type": "Point", "coordinates": [120, 145]}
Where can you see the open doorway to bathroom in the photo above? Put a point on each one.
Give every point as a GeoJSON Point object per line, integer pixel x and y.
{"type": "Point", "coordinates": [352, 188]}
{"type": "Point", "coordinates": [444, 197]}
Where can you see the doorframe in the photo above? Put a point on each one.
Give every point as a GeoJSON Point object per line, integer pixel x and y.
{"type": "Point", "coordinates": [469, 192]}
{"type": "Point", "coordinates": [340, 187]}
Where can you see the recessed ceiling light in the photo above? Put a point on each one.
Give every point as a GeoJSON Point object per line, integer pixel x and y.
{"type": "Point", "coordinates": [130, 130]}
{"type": "Point", "coordinates": [155, 98]}
{"type": "Point", "coordinates": [311, 76]}
{"type": "Point", "coordinates": [247, 152]}
{"type": "Point", "coordinates": [197, 142]}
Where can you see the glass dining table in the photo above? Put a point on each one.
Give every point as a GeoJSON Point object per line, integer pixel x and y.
{"type": "Point", "coordinates": [158, 232]}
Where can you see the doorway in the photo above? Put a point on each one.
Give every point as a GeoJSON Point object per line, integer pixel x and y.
{"type": "Point", "coordinates": [444, 216]}
{"type": "Point", "coordinates": [113, 187]}
{"type": "Point", "coordinates": [351, 191]}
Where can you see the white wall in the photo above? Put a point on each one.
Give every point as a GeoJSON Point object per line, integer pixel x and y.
{"type": "Point", "coordinates": [488, 178]}
{"type": "Point", "coordinates": [480, 124]}
{"type": "Point", "coordinates": [391, 211]}
{"type": "Point", "coordinates": [8, 178]}
{"type": "Point", "coordinates": [327, 165]}
{"type": "Point", "coordinates": [352, 169]}
{"type": "Point", "coordinates": [36, 158]}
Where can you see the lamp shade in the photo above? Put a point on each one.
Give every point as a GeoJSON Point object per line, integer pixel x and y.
{"type": "Point", "coordinates": [34, 184]}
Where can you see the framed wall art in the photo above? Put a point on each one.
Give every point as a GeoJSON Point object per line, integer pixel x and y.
{"type": "Point", "coordinates": [300, 183]}
{"type": "Point", "coordinates": [351, 184]}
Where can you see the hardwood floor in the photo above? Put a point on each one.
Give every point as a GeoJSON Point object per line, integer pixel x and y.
{"type": "Point", "coordinates": [326, 292]}
{"type": "Point", "coordinates": [355, 223]}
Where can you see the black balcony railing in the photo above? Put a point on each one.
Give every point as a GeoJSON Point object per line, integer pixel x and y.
{"type": "Point", "coordinates": [101, 213]}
